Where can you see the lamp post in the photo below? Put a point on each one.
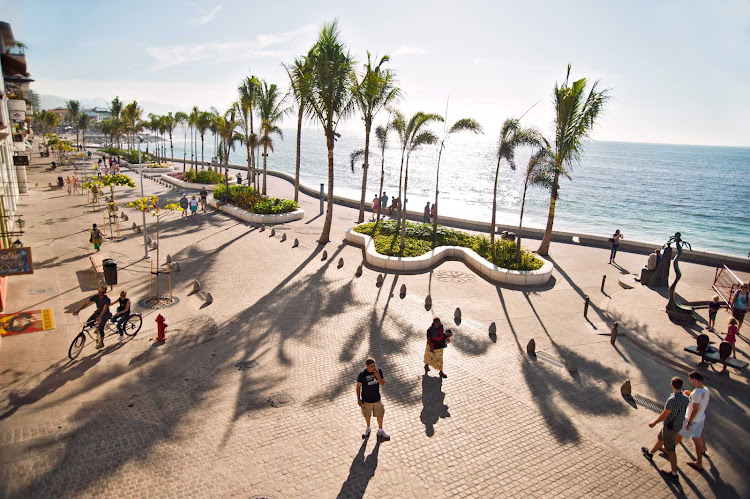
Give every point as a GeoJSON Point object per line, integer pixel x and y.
{"type": "Point", "coordinates": [140, 166]}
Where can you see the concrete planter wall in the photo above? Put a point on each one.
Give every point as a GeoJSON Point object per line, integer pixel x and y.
{"type": "Point", "coordinates": [167, 169]}
{"type": "Point", "coordinates": [189, 185]}
{"type": "Point", "coordinates": [236, 212]}
{"type": "Point", "coordinates": [472, 260]}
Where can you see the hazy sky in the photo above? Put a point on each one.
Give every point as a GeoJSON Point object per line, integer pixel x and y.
{"type": "Point", "coordinates": [679, 70]}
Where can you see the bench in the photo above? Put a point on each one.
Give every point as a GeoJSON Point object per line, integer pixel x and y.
{"type": "Point", "coordinates": [715, 357]}
{"type": "Point", "coordinates": [97, 263]}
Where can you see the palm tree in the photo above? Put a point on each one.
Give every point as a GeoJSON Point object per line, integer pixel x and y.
{"type": "Point", "coordinates": [74, 111]}
{"type": "Point", "coordinates": [412, 137]}
{"type": "Point", "coordinates": [575, 114]}
{"type": "Point", "coordinates": [248, 102]}
{"type": "Point", "coordinates": [132, 123]}
{"type": "Point", "coordinates": [154, 124]}
{"type": "Point", "coordinates": [299, 79]}
{"type": "Point", "coordinates": [331, 67]}
{"type": "Point", "coordinates": [512, 135]}
{"type": "Point", "coordinates": [226, 127]}
{"type": "Point", "coordinates": [84, 120]}
{"type": "Point", "coordinates": [373, 92]}
{"type": "Point", "coordinates": [462, 125]}
{"type": "Point", "coordinates": [539, 172]}
{"type": "Point", "coordinates": [271, 108]}
{"type": "Point", "coordinates": [115, 109]}
{"type": "Point", "coordinates": [193, 122]}
{"type": "Point", "coordinates": [381, 134]}
{"type": "Point", "coordinates": [202, 125]}
{"type": "Point", "coordinates": [181, 119]}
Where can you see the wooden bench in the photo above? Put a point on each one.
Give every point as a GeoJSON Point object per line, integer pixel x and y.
{"type": "Point", "coordinates": [714, 357]}
{"type": "Point", "coordinates": [97, 260]}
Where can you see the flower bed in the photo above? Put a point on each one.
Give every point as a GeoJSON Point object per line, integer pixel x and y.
{"type": "Point", "coordinates": [458, 247]}
{"type": "Point", "coordinates": [247, 198]}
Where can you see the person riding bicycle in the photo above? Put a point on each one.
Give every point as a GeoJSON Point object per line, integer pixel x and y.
{"type": "Point", "coordinates": [102, 313]}
{"type": "Point", "coordinates": [123, 311]}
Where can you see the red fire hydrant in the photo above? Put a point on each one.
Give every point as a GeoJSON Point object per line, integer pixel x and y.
{"type": "Point", "coordinates": [161, 326]}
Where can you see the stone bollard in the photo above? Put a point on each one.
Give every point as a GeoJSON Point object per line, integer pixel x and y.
{"type": "Point", "coordinates": [325, 256]}
{"type": "Point", "coordinates": [262, 227]}
{"type": "Point", "coordinates": [358, 273]}
{"type": "Point", "coordinates": [149, 240]}
{"type": "Point", "coordinates": [296, 243]}
{"type": "Point", "coordinates": [531, 346]}
{"type": "Point", "coordinates": [283, 237]}
{"type": "Point", "coordinates": [379, 281]}
{"type": "Point", "coordinates": [176, 266]}
{"type": "Point", "coordinates": [125, 218]}
{"type": "Point", "coordinates": [135, 226]}
{"type": "Point", "coordinates": [137, 229]}
{"type": "Point", "coordinates": [273, 232]}
{"type": "Point", "coordinates": [493, 329]}
{"type": "Point", "coordinates": [196, 286]}
{"type": "Point", "coordinates": [613, 336]}
{"type": "Point", "coordinates": [586, 307]}
{"type": "Point", "coordinates": [209, 299]}
{"type": "Point", "coordinates": [169, 258]}
{"type": "Point", "coordinates": [572, 365]}
{"type": "Point", "coordinates": [604, 279]}
{"type": "Point", "coordinates": [626, 389]}
{"type": "Point", "coordinates": [340, 264]}
{"type": "Point", "coordinates": [428, 302]}
{"type": "Point", "coordinates": [402, 293]}
{"type": "Point", "coordinates": [122, 215]}
{"type": "Point", "coordinates": [457, 316]}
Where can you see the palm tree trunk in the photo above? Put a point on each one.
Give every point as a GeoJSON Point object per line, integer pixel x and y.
{"type": "Point", "coordinates": [365, 167]}
{"type": "Point", "coordinates": [382, 179]}
{"type": "Point", "coordinates": [201, 151]}
{"type": "Point", "coordinates": [437, 191]}
{"type": "Point", "coordinates": [400, 197]}
{"type": "Point", "coordinates": [544, 247]}
{"type": "Point", "coordinates": [494, 208]}
{"type": "Point", "coordinates": [265, 157]}
{"type": "Point", "coordinates": [299, 144]}
{"type": "Point", "coordinates": [249, 164]}
{"type": "Point", "coordinates": [403, 204]}
{"type": "Point", "coordinates": [171, 145]}
{"type": "Point", "coordinates": [520, 221]}
{"type": "Point", "coordinates": [325, 235]}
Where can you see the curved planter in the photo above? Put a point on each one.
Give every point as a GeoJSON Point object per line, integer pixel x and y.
{"type": "Point", "coordinates": [190, 185]}
{"type": "Point", "coordinates": [232, 210]}
{"type": "Point", "coordinates": [470, 257]}
{"type": "Point", "coordinates": [167, 169]}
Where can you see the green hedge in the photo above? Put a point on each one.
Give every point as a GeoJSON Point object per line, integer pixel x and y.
{"type": "Point", "coordinates": [247, 198]}
{"type": "Point", "coordinates": [419, 241]}
{"type": "Point", "coordinates": [129, 156]}
{"type": "Point", "coordinates": [204, 177]}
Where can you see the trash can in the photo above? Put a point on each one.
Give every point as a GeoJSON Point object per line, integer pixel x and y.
{"type": "Point", "coordinates": [109, 265]}
{"type": "Point", "coordinates": [60, 182]}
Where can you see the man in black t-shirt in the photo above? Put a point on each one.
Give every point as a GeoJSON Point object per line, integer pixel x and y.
{"type": "Point", "coordinates": [102, 313]}
{"type": "Point", "coordinates": [369, 382]}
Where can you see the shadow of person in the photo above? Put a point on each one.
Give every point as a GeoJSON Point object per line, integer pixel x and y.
{"type": "Point", "coordinates": [433, 407]}
{"type": "Point", "coordinates": [360, 472]}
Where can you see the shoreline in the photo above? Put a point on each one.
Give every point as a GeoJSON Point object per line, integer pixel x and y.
{"type": "Point", "coordinates": [577, 238]}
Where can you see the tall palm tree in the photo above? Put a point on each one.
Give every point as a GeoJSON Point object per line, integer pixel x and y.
{"type": "Point", "coordinates": [271, 107]}
{"type": "Point", "coordinates": [299, 80]}
{"type": "Point", "coordinates": [512, 135]}
{"type": "Point", "coordinates": [575, 114]}
{"type": "Point", "coordinates": [381, 135]}
{"type": "Point", "coordinates": [115, 109]}
{"type": "Point", "coordinates": [412, 137]}
{"type": "Point", "coordinates": [84, 120]}
{"type": "Point", "coordinates": [330, 97]}
{"type": "Point", "coordinates": [154, 124]}
{"type": "Point", "coordinates": [132, 122]}
{"type": "Point", "coordinates": [226, 130]}
{"type": "Point", "coordinates": [462, 125]}
{"type": "Point", "coordinates": [74, 111]}
{"type": "Point", "coordinates": [539, 172]}
{"type": "Point", "coordinates": [193, 122]}
{"type": "Point", "coordinates": [202, 125]}
{"type": "Point", "coordinates": [376, 89]}
{"type": "Point", "coordinates": [248, 90]}
{"type": "Point", "coordinates": [181, 119]}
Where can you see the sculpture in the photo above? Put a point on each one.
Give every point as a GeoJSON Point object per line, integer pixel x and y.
{"type": "Point", "coordinates": [675, 311]}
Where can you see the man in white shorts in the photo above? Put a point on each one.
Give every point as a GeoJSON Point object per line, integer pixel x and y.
{"type": "Point", "coordinates": [695, 419]}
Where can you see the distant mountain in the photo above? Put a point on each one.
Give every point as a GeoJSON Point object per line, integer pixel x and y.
{"type": "Point", "coordinates": [53, 101]}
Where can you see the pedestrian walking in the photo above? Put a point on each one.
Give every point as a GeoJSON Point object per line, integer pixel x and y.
{"type": "Point", "coordinates": [713, 308]}
{"type": "Point", "coordinates": [426, 214]}
{"type": "Point", "coordinates": [96, 237]}
{"type": "Point", "coordinates": [696, 419]}
{"type": "Point", "coordinates": [203, 196]}
{"type": "Point", "coordinates": [383, 203]}
{"type": "Point", "coordinates": [74, 181]}
{"type": "Point", "coordinates": [369, 382]}
{"type": "Point", "coordinates": [673, 415]}
{"type": "Point", "coordinates": [731, 337]}
{"type": "Point", "coordinates": [433, 212]}
{"type": "Point", "coordinates": [193, 206]}
{"type": "Point", "coordinates": [739, 304]}
{"type": "Point", "coordinates": [184, 205]}
{"type": "Point", "coordinates": [375, 205]}
{"type": "Point", "coordinates": [614, 242]}
{"type": "Point", "coordinates": [437, 341]}
{"type": "Point", "coordinates": [68, 184]}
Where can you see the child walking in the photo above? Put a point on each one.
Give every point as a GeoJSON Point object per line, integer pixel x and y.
{"type": "Point", "coordinates": [713, 308]}
{"type": "Point", "coordinates": [731, 336]}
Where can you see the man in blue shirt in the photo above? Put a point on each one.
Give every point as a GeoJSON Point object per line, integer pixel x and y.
{"type": "Point", "coordinates": [383, 203]}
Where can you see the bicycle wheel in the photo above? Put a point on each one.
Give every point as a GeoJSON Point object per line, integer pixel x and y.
{"type": "Point", "coordinates": [77, 346]}
{"type": "Point", "coordinates": [132, 325]}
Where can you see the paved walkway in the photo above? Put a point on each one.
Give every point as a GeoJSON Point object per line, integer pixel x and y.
{"type": "Point", "coordinates": [140, 420]}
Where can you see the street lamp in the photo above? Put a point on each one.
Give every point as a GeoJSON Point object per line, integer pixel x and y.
{"type": "Point", "coordinates": [140, 166]}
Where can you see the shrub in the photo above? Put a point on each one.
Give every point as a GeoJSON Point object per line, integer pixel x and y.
{"type": "Point", "coordinates": [419, 241]}
{"type": "Point", "coordinates": [204, 177]}
{"type": "Point", "coordinates": [247, 198]}
{"type": "Point", "coordinates": [158, 165]}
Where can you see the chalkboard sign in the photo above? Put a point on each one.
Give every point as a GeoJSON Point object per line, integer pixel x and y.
{"type": "Point", "coordinates": [15, 261]}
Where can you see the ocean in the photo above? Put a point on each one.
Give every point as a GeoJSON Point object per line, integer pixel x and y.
{"type": "Point", "coordinates": [648, 191]}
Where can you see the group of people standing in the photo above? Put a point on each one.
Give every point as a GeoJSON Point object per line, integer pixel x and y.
{"type": "Point", "coordinates": [380, 205]}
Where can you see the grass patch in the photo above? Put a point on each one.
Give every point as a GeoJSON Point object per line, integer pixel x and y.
{"type": "Point", "coordinates": [419, 241]}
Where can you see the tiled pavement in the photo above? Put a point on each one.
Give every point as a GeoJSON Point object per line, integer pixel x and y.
{"type": "Point", "coordinates": [137, 420]}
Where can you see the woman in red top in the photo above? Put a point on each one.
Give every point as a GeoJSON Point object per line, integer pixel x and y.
{"type": "Point", "coordinates": [437, 340]}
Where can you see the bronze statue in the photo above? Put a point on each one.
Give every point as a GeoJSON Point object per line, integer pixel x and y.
{"type": "Point", "coordinates": [673, 309]}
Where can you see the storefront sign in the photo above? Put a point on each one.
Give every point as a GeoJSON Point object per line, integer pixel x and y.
{"type": "Point", "coordinates": [17, 116]}
{"type": "Point", "coordinates": [15, 261]}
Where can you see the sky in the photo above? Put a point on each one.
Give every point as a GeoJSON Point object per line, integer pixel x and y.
{"type": "Point", "coordinates": [678, 70]}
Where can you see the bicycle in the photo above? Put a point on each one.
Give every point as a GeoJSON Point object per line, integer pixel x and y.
{"type": "Point", "coordinates": [90, 328]}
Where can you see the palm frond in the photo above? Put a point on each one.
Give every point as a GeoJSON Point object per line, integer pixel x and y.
{"type": "Point", "coordinates": [466, 124]}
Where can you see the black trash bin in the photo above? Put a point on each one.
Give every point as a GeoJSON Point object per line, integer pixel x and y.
{"type": "Point", "coordinates": [60, 182]}
{"type": "Point", "coordinates": [109, 265]}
